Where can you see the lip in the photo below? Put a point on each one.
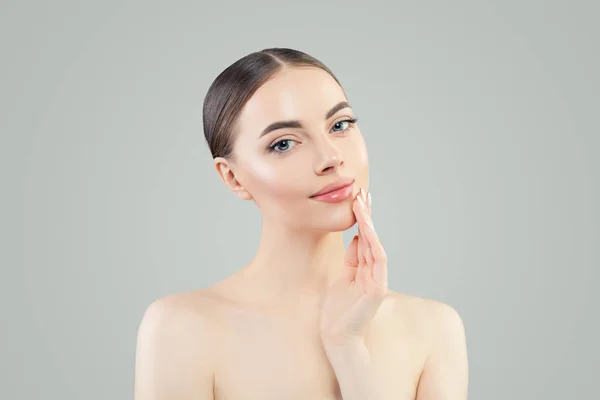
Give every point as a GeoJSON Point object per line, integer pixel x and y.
{"type": "Point", "coordinates": [335, 191]}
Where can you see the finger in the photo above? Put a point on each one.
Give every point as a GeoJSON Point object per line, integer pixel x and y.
{"type": "Point", "coordinates": [369, 259]}
{"type": "Point", "coordinates": [351, 260]}
{"type": "Point", "coordinates": [367, 229]}
{"type": "Point", "coordinates": [372, 240]}
{"type": "Point", "coordinates": [379, 263]}
{"type": "Point", "coordinates": [360, 248]}
{"type": "Point", "coordinates": [380, 274]}
{"type": "Point", "coordinates": [366, 199]}
{"type": "Point", "coordinates": [362, 264]}
{"type": "Point", "coordinates": [359, 206]}
{"type": "Point", "coordinates": [351, 257]}
{"type": "Point", "coordinates": [368, 252]}
{"type": "Point", "coordinates": [378, 269]}
{"type": "Point", "coordinates": [356, 208]}
{"type": "Point", "coordinates": [361, 213]}
{"type": "Point", "coordinates": [367, 272]}
{"type": "Point", "coordinates": [364, 273]}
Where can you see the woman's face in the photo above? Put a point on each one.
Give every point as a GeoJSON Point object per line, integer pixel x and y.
{"type": "Point", "coordinates": [282, 168]}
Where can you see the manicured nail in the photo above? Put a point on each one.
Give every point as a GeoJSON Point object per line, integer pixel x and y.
{"type": "Point", "coordinates": [369, 199]}
{"type": "Point", "coordinates": [362, 191]}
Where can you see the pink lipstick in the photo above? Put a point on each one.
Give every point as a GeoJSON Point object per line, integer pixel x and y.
{"type": "Point", "coordinates": [335, 192]}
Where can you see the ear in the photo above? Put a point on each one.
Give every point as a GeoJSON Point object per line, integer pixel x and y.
{"type": "Point", "coordinates": [225, 171]}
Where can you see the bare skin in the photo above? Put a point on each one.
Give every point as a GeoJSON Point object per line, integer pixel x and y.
{"type": "Point", "coordinates": [256, 334]}
{"type": "Point", "coordinates": [245, 350]}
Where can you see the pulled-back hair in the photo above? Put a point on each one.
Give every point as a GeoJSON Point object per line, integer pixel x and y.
{"type": "Point", "coordinates": [233, 87]}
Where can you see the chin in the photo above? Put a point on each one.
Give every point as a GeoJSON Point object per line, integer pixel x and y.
{"type": "Point", "coordinates": [338, 220]}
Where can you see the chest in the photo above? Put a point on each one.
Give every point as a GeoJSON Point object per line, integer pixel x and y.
{"type": "Point", "coordinates": [270, 358]}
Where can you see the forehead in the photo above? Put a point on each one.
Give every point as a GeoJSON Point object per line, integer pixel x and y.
{"type": "Point", "coordinates": [294, 93]}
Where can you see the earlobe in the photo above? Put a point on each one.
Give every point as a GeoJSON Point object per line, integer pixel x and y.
{"type": "Point", "coordinates": [227, 175]}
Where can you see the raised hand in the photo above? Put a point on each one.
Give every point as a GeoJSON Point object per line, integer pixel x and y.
{"type": "Point", "coordinates": [353, 300]}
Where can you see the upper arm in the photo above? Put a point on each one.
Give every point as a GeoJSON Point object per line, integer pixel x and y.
{"type": "Point", "coordinates": [172, 360]}
{"type": "Point", "coordinates": [445, 373]}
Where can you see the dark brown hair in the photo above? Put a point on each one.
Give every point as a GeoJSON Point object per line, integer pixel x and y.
{"type": "Point", "coordinates": [233, 87]}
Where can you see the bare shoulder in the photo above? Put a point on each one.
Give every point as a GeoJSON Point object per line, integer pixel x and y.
{"type": "Point", "coordinates": [196, 305]}
{"type": "Point", "coordinates": [174, 349]}
{"type": "Point", "coordinates": [188, 313]}
{"type": "Point", "coordinates": [445, 368]}
{"type": "Point", "coordinates": [429, 317]}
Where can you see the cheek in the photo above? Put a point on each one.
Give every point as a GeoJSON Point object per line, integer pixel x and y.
{"type": "Point", "coordinates": [359, 155]}
{"type": "Point", "coordinates": [363, 157]}
{"type": "Point", "coordinates": [274, 180]}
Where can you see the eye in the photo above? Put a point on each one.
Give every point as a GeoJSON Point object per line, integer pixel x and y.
{"type": "Point", "coordinates": [345, 124]}
{"type": "Point", "coordinates": [281, 146]}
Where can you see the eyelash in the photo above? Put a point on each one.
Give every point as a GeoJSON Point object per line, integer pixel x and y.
{"type": "Point", "coordinates": [351, 122]}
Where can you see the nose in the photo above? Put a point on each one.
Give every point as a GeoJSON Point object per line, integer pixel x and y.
{"type": "Point", "coordinates": [329, 158]}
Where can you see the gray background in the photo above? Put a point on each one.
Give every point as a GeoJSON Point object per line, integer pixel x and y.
{"type": "Point", "coordinates": [481, 120]}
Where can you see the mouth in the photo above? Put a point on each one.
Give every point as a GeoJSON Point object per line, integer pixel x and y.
{"type": "Point", "coordinates": [336, 191]}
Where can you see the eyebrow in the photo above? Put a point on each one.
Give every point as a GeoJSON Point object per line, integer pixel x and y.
{"type": "Point", "coordinates": [297, 124]}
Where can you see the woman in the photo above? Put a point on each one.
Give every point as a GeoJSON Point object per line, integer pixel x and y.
{"type": "Point", "coordinates": [305, 318]}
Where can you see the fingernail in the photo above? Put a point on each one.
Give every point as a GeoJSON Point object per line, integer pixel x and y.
{"type": "Point", "coordinates": [369, 199]}
{"type": "Point", "coordinates": [362, 191]}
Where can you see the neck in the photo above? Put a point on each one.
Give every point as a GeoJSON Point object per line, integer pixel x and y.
{"type": "Point", "coordinates": [292, 263]}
